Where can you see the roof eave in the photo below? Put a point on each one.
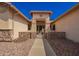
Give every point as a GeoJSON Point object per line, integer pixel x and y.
{"type": "Point", "coordinates": [12, 6]}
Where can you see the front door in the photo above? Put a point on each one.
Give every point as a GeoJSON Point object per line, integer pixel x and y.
{"type": "Point", "coordinates": [40, 29]}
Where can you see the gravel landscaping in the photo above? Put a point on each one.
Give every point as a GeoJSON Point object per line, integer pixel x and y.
{"type": "Point", "coordinates": [16, 48]}
{"type": "Point", "coordinates": [64, 47]}
{"type": "Point", "coordinates": [61, 45]}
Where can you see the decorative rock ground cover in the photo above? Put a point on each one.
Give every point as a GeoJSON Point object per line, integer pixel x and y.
{"type": "Point", "coordinates": [16, 48]}
{"type": "Point", "coordinates": [63, 46]}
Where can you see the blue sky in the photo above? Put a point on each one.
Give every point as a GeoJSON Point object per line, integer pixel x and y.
{"type": "Point", "coordinates": [58, 8]}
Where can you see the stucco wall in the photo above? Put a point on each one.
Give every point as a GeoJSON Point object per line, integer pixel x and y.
{"type": "Point", "coordinates": [4, 16]}
{"type": "Point", "coordinates": [70, 25]}
{"type": "Point", "coordinates": [38, 15]}
{"type": "Point", "coordinates": [20, 25]}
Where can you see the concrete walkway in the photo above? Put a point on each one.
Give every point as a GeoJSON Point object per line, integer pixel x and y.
{"type": "Point", "coordinates": [37, 48]}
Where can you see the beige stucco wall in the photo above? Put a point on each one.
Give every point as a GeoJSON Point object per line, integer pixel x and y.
{"type": "Point", "coordinates": [20, 25]}
{"type": "Point", "coordinates": [42, 15]}
{"type": "Point", "coordinates": [4, 16]}
{"type": "Point", "coordinates": [70, 25]}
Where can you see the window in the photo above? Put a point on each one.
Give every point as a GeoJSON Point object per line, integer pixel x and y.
{"type": "Point", "coordinates": [54, 27]}
{"type": "Point", "coordinates": [29, 27]}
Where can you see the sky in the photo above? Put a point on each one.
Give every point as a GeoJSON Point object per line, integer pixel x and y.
{"type": "Point", "coordinates": [57, 8]}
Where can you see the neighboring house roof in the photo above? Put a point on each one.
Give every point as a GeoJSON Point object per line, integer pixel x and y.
{"type": "Point", "coordinates": [67, 12]}
{"type": "Point", "coordinates": [14, 8]}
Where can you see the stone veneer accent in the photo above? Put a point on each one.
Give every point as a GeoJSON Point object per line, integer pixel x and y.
{"type": "Point", "coordinates": [5, 35]}
{"type": "Point", "coordinates": [27, 35]}
{"type": "Point", "coordinates": [55, 35]}
{"type": "Point", "coordinates": [33, 35]}
{"type": "Point", "coordinates": [24, 35]}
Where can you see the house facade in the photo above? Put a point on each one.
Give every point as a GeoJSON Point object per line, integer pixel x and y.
{"type": "Point", "coordinates": [12, 20]}
{"type": "Point", "coordinates": [68, 23]}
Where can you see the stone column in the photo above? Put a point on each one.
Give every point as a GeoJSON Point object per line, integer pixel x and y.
{"type": "Point", "coordinates": [33, 26]}
{"type": "Point", "coordinates": [47, 25]}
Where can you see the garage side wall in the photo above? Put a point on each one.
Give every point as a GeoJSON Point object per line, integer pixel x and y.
{"type": "Point", "coordinates": [69, 24]}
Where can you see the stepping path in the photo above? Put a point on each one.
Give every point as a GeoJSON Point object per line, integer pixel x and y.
{"type": "Point", "coordinates": [37, 48]}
